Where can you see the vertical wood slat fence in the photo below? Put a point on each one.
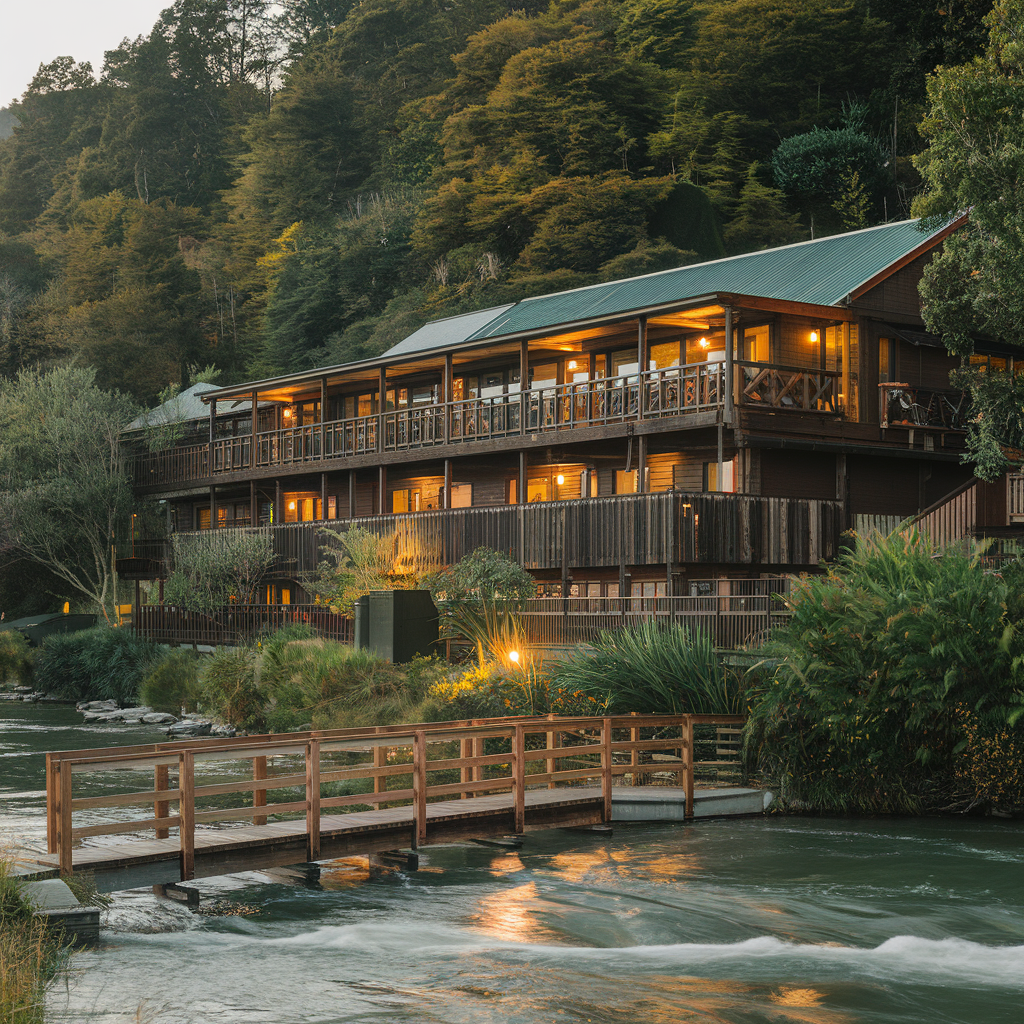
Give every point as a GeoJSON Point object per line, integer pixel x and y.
{"type": "Point", "coordinates": [428, 762]}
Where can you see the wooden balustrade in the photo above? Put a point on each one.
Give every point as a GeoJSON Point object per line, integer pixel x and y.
{"type": "Point", "coordinates": [422, 764]}
{"type": "Point", "coordinates": [676, 391]}
{"type": "Point", "coordinates": [236, 623]}
{"type": "Point", "coordinates": [900, 405]}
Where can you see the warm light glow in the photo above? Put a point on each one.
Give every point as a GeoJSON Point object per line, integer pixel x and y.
{"type": "Point", "coordinates": [287, 414]}
{"type": "Point", "coordinates": [572, 364]}
{"type": "Point", "coordinates": [67, 607]}
{"type": "Point", "coordinates": [291, 506]}
{"type": "Point", "coordinates": [703, 342]}
{"type": "Point", "coordinates": [513, 656]}
{"type": "Point", "coordinates": [814, 336]}
{"type": "Point", "coordinates": [560, 478]}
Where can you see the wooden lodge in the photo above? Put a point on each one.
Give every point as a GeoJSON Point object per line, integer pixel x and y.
{"type": "Point", "coordinates": [629, 440]}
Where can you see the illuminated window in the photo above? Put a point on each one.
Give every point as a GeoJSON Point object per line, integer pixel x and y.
{"type": "Point", "coordinates": [727, 485]}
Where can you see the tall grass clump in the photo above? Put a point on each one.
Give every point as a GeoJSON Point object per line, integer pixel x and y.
{"type": "Point", "coordinates": [15, 658]}
{"type": "Point", "coordinates": [229, 688]}
{"type": "Point", "coordinates": [96, 664]}
{"type": "Point", "coordinates": [891, 667]}
{"type": "Point", "coordinates": [652, 669]}
{"type": "Point", "coordinates": [29, 957]}
{"type": "Point", "coordinates": [173, 685]}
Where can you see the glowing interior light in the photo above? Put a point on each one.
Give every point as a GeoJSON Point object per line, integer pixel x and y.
{"type": "Point", "coordinates": [703, 342]}
{"type": "Point", "coordinates": [572, 364]}
{"type": "Point", "coordinates": [814, 336]}
{"type": "Point", "coordinates": [291, 506]}
{"type": "Point", "coordinates": [560, 478]}
{"type": "Point", "coordinates": [513, 656]}
{"type": "Point", "coordinates": [287, 414]}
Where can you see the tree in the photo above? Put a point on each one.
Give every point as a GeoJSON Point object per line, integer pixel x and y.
{"type": "Point", "coordinates": [761, 219]}
{"type": "Point", "coordinates": [218, 568]}
{"type": "Point", "coordinates": [65, 491]}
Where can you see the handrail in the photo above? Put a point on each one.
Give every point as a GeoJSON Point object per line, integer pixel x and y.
{"type": "Point", "coordinates": [586, 746]}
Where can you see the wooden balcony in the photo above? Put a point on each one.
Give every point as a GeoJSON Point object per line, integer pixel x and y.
{"type": "Point", "coordinates": [900, 405]}
{"type": "Point", "coordinates": [694, 393]}
{"type": "Point", "coordinates": [665, 529]}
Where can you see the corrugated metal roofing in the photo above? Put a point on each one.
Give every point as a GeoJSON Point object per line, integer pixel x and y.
{"type": "Point", "coordinates": [186, 405]}
{"type": "Point", "coordinates": [452, 330]}
{"type": "Point", "coordinates": [823, 271]}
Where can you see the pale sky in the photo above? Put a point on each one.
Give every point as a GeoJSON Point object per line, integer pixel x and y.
{"type": "Point", "coordinates": [34, 32]}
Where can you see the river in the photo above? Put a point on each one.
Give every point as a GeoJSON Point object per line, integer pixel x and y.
{"type": "Point", "coordinates": [740, 921]}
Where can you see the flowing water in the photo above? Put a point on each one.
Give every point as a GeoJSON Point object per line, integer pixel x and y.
{"type": "Point", "coordinates": [741, 921]}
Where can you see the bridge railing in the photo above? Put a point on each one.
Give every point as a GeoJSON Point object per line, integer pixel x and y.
{"type": "Point", "coordinates": [378, 767]}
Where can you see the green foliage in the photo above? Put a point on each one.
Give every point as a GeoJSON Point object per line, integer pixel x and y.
{"type": "Point", "coordinates": [483, 576]}
{"type": "Point", "coordinates": [359, 561]}
{"type": "Point", "coordinates": [15, 658]}
{"type": "Point", "coordinates": [218, 567]}
{"type": "Point", "coordinates": [862, 700]}
{"type": "Point", "coordinates": [95, 664]}
{"type": "Point", "coordinates": [230, 689]}
{"type": "Point", "coordinates": [173, 684]}
{"type": "Point", "coordinates": [998, 401]}
{"type": "Point", "coordinates": [652, 669]}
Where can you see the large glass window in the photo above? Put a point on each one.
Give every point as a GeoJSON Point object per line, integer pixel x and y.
{"type": "Point", "coordinates": [724, 482]}
{"type": "Point", "coordinates": [757, 344]}
{"type": "Point", "coordinates": [664, 355]}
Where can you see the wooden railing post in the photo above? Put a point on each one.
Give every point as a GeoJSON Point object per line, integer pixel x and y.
{"type": "Point", "coordinates": [64, 821]}
{"type": "Point", "coordinates": [465, 772]}
{"type": "Point", "coordinates": [313, 800]}
{"type": "Point", "coordinates": [687, 752]}
{"type": "Point", "coordinates": [606, 767]}
{"type": "Point", "coordinates": [161, 808]}
{"type": "Point", "coordinates": [519, 779]}
{"type": "Point", "coordinates": [187, 812]}
{"type": "Point", "coordinates": [52, 782]}
{"type": "Point", "coordinates": [380, 759]}
{"type": "Point", "coordinates": [259, 796]}
{"type": "Point", "coordinates": [419, 788]}
{"type": "Point", "coordinates": [634, 754]}
{"type": "Point", "coordinates": [551, 744]}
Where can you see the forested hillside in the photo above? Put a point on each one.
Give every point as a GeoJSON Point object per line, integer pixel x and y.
{"type": "Point", "coordinates": [264, 191]}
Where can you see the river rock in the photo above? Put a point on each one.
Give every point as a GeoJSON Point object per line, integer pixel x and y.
{"type": "Point", "coordinates": [222, 730]}
{"type": "Point", "coordinates": [158, 718]}
{"type": "Point", "coordinates": [190, 728]}
{"type": "Point", "coordinates": [97, 705]}
{"type": "Point", "coordinates": [101, 716]}
{"type": "Point", "coordinates": [24, 689]}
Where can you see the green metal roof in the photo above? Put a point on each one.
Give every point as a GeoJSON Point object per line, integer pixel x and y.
{"type": "Point", "coordinates": [823, 271]}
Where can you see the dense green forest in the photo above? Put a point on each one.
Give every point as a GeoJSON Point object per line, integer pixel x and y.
{"type": "Point", "coordinates": [263, 188]}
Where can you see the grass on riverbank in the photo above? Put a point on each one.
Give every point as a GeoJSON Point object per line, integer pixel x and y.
{"type": "Point", "coordinates": [29, 955]}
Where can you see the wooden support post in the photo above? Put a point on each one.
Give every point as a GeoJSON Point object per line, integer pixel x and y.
{"type": "Point", "coordinates": [259, 796]}
{"type": "Point", "coordinates": [380, 759]}
{"type": "Point", "coordinates": [213, 507]}
{"type": "Point", "coordinates": [323, 428]}
{"type": "Point", "coordinates": [278, 516]}
{"type": "Point", "coordinates": [254, 399]}
{"type": "Point", "coordinates": [323, 495]}
{"type": "Point", "coordinates": [313, 800]}
{"type": "Point", "coordinates": [161, 808]}
{"type": "Point", "coordinates": [351, 494]}
{"type": "Point", "coordinates": [524, 377]}
{"type": "Point", "coordinates": [634, 754]}
{"type": "Point", "coordinates": [641, 366]}
{"type": "Point", "coordinates": [419, 789]}
{"type": "Point", "coordinates": [254, 510]}
{"type": "Point", "coordinates": [382, 401]}
{"type": "Point", "coordinates": [606, 767]}
{"type": "Point", "coordinates": [519, 779]}
{"type": "Point", "coordinates": [728, 386]}
{"type": "Point", "coordinates": [382, 488]}
{"type": "Point", "coordinates": [213, 435]}
{"type": "Point", "coordinates": [447, 483]}
{"type": "Point", "coordinates": [687, 754]}
{"type": "Point", "coordinates": [64, 821]}
{"type": "Point", "coordinates": [448, 390]}
{"type": "Point", "coordinates": [641, 464]}
{"type": "Point", "coordinates": [52, 798]}
{"type": "Point", "coordinates": [476, 774]}
{"type": "Point", "coordinates": [551, 742]}
{"type": "Point", "coordinates": [187, 813]}
{"type": "Point", "coordinates": [465, 773]}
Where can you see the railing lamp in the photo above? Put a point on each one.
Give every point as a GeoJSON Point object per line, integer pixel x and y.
{"type": "Point", "coordinates": [814, 337]}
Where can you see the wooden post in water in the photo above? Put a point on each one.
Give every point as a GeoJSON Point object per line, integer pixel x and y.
{"type": "Point", "coordinates": [606, 767]}
{"type": "Point", "coordinates": [687, 753]}
{"type": "Point", "coordinates": [64, 821]}
{"type": "Point", "coordinates": [187, 812]}
{"type": "Point", "coordinates": [259, 796]}
{"type": "Point", "coordinates": [419, 788]}
{"type": "Point", "coordinates": [519, 779]}
{"type": "Point", "coordinates": [313, 800]}
{"type": "Point", "coordinates": [161, 808]}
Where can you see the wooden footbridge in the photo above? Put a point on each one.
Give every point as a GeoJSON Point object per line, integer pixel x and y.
{"type": "Point", "coordinates": [383, 788]}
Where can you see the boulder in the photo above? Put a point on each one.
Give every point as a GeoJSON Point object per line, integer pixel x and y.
{"type": "Point", "coordinates": [97, 705]}
{"type": "Point", "coordinates": [190, 728]}
{"type": "Point", "coordinates": [222, 730]}
{"type": "Point", "coordinates": [158, 718]}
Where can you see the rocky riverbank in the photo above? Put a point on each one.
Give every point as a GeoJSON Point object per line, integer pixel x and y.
{"type": "Point", "coordinates": [107, 711]}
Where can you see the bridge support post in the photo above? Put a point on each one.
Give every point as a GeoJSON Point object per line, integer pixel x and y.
{"type": "Point", "coordinates": [687, 753]}
{"type": "Point", "coordinates": [419, 788]}
{"type": "Point", "coordinates": [64, 820]}
{"type": "Point", "coordinates": [313, 800]}
{"type": "Point", "coordinates": [187, 812]}
{"type": "Point", "coordinates": [519, 779]}
{"type": "Point", "coordinates": [259, 796]}
{"type": "Point", "coordinates": [606, 767]}
{"type": "Point", "coordinates": [161, 808]}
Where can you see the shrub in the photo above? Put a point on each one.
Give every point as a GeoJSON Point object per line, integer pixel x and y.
{"type": "Point", "coordinates": [221, 565]}
{"type": "Point", "coordinates": [229, 689]}
{"type": "Point", "coordinates": [173, 684]}
{"type": "Point", "coordinates": [652, 669]}
{"type": "Point", "coordinates": [15, 658]}
{"type": "Point", "coordinates": [96, 664]}
{"type": "Point", "coordinates": [864, 701]}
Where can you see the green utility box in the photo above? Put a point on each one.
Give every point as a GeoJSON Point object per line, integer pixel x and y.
{"type": "Point", "coordinates": [397, 624]}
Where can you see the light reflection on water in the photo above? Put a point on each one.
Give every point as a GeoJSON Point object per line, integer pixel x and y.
{"type": "Point", "coordinates": [743, 921]}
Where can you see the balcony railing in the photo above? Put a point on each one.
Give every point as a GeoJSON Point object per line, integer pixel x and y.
{"type": "Point", "coordinates": [900, 405]}
{"type": "Point", "coordinates": [677, 391]}
{"type": "Point", "coordinates": [236, 623]}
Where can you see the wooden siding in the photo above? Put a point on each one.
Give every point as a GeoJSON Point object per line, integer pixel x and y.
{"type": "Point", "coordinates": [898, 293]}
{"type": "Point", "coordinates": [797, 474]}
